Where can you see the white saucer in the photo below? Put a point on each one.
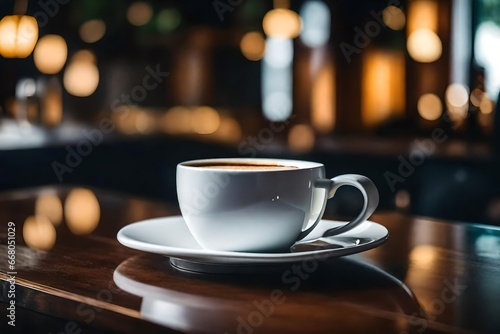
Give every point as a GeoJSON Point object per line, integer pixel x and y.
{"type": "Point", "coordinates": [170, 236]}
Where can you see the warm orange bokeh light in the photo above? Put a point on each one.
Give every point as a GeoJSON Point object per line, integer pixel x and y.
{"type": "Point", "coordinates": [323, 100]}
{"type": "Point", "coordinates": [424, 255]}
{"type": "Point", "coordinates": [402, 199]}
{"type": "Point", "coordinates": [82, 211]}
{"type": "Point", "coordinates": [39, 233]}
{"type": "Point", "coordinates": [50, 54]}
{"type": "Point", "coordinates": [177, 120]}
{"type": "Point", "coordinates": [429, 107]}
{"type": "Point", "coordinates": [18, 36]}
{"type": "Point", "coordinates": [205, 120]}
{"type": "Point", "coordinates": [49, 206]}
{"type": "Point", "coordinates": [282, 23]}
{"type": "Point", "coordinates": [229, 130]}
{"type": "Point", "coordinates": [92, 31]}
{"type": "Point", "coordinates": [456, 98]}
{"type": "Point", "coordinates": [422, 14]}
{"type": "Point", "coordinates": [383, 87]}
{"type": "Point", "coordinates": [486, 106]}
{"type": "Point", "coordinates": [253, 45]}
{"type": "Point", "coordinates": [301, 138]}
{"type": "Point", "coordinates": [476, 96]}
{"type": "Point", "coordinates": [51, 104]}
{"type": "Point", "coordinates": [457, 95]}
{"type": "Point", "coordinates": [394, 17]}
{"type": "Point", "coordinates": [81, 76]}
{"type": "Point", "coordinates": [139, 13]}
{"type": "Point", "coordinates": [424, 46]}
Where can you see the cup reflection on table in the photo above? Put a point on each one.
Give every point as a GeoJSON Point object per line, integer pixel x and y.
{"type": "Point", "coordinates": [346, 294]}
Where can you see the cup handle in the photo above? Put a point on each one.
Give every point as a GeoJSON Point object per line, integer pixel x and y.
{"type": "Point", "coordinates": [367, 189]}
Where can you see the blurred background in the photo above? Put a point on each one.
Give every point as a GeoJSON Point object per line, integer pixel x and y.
{"type": "Point", "coordinates": [113, 94]}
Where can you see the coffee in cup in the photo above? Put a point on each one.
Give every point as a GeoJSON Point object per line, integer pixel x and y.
{"type": "Point", "coordinates": [243, 166]}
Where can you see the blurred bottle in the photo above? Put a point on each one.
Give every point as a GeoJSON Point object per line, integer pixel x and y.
{"type": "Point", "coordinates": [26, 102]}
{"type": "Point", "coordinates": [49, 93]}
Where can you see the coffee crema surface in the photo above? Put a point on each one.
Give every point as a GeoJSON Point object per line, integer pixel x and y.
{"type": "Point", "coordinates": [244, 166]}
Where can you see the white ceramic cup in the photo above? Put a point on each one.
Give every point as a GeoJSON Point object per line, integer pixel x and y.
{"type": "Point", "coordinates": [261, 210]}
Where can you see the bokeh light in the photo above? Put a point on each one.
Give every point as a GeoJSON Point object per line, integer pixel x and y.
{"type": "Point", "coordinates": [383, 86]}
{"type": "Point", "coordinates": [422, 14]}
{"type": "Point", "coordinates": [50, 207]}
{"type": "Point", "coordinates": [144, 122]}
{"type": "Point", "coordinates": [301, 138]}
{"type": "Point", "coordinates": [25, 88]}
{"type": "Point", "coordinates": [476, 96]}
{"type": "Point", "coordinates": [394, 17]}
{"type": "Point", "coordinates": [323, 96]}
{"type": "Point", "coordinates": [139, 13]}
{"type": "Point", "coordinates": [457, 98]}
{"type": "Point", "coordinates": [429, 107]}
{"type": "Point", "coordinates": [282, 23]}
{"type": "Point", "coordinates": [279, 52]}
{"type": "Point", "coordinates": [50, 54]}
{"type": "Point", "coordinates": [253, 45]}
{"type": "Point", "coordinates": [53, 109]}
{"type": "Point", "coordinates": [168, 20]}
{"type": "Point", "coordinates": [18, 36]}
{"type": "Point", "coordinates": [402, 199]}
{"type": "Point", "coordinates": [134, 119]}
{"type": "Point", "coordinates": [205, 120]}
{"type": "Point", "coordinates": [84, 55]}
{"type": "Point", "coordinates": [51, 104]}
{"type": "Point", "coordinates": [456, 95]}
{"type": "Point", "coordinates": [316, 19]}
{"type": "Point", "coordinates": [92, 31]}
{"type": "Point", "coordinates": [177, 120]}
{"type": "Point", "coordinates": [486, 107]}
{"type": "Point", "coordinates": [486, 122]}
{"type": "Point", "coordinates": [276, 79]}
{"type": "Point", "coordinates": [424, 255]}
{"type": "Point", "coordinates": [277, 106]}
{"type": "Point", "coordinates": [39, 233]}
{"type": "Point", "coordinates": [424, 46]}
{"type": "Point", "coordinates": [124, 119]}
{"type": "Point", "coordinates": [229, 130]}
{"type": "Point", "coordinates": [82, 211]}
{"type": "Point", "coordinates": [81, 76]}
{"type": "Point", "coordinates": [81, 79]}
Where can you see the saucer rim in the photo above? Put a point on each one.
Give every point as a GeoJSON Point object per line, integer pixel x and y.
{"type": "Point", "coordinates": [229, 257]}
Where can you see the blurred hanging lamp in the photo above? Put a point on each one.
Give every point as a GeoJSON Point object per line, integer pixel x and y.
{"type": "Point", "coordinates": [18, 32]}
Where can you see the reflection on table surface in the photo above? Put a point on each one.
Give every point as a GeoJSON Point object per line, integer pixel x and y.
{"type": "Point", "coordinates": [430, 276]}
{"type": "Point", "coordinates": [333, 294]}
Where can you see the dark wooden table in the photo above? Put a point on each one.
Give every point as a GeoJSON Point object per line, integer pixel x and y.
{"type": "Point", "coordinates": [431, 276]}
